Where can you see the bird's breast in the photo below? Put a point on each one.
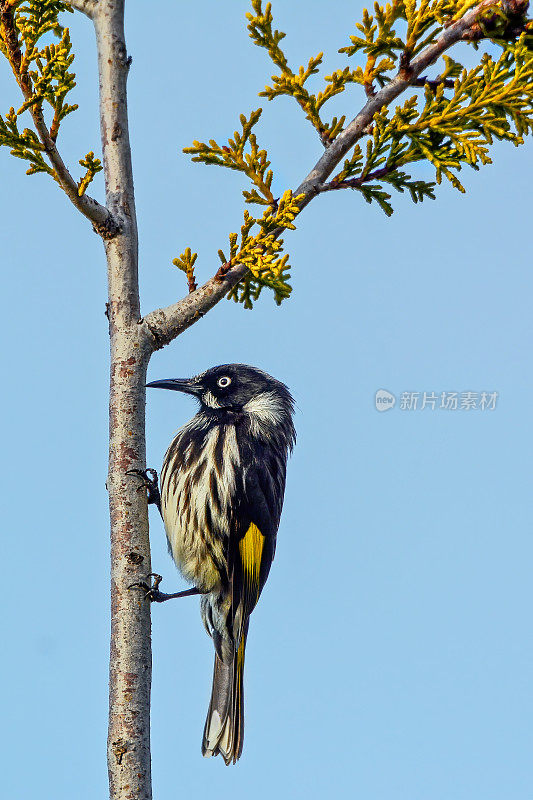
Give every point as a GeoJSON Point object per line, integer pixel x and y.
{"type": "Point", "coordinates": [198, 485]}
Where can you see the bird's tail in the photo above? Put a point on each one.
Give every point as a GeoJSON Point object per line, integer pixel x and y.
{"type": "Point", "coordinates": [224, 726]}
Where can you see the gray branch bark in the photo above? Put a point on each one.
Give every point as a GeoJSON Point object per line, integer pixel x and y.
{"type": "Point", "coordinates": [85, 6]}
{"type": "Point", "coordinates": [130, 655]}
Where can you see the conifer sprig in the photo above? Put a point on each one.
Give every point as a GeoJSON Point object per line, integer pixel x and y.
{"type": "Point", "coordinates": [261, 251]}
{"type": "Point", "coordinates": [254, 163]}
{"type": "Point", "coordinates": [92, 167]}
{"type": "Point", "coordinates": [23, 144]}
{"type": "Point", "coordinates": [185, 263]}
{"type": "Point", "coordinates": [293, 83]}
{"type": "Point", "coordinates": [262, 254]}
{"type": "Point", "coordinates": [42, 69]}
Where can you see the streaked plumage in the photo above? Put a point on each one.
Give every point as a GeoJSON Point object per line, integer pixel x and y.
{"type": "Point", "coordinates": [222, 487]}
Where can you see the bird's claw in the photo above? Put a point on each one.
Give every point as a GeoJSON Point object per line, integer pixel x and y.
{"type": "Point", "coordinates": [152, 592]}
{"type": "Point", "coordinates": [150, 482]}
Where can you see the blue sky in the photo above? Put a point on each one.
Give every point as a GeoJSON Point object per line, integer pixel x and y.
{"type": "Point", "coordinates": [390, 655]}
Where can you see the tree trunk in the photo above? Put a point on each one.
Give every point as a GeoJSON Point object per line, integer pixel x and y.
{"type": "Point", "coordinates": [130, 656]}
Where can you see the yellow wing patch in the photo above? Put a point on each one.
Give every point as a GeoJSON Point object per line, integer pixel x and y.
{"type": "Point", "coordinates": [251, 553]}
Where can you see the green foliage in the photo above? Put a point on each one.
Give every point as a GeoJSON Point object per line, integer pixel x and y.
{"type": "Point", "coordinates": [291, 83]}
{"type": "Point", "coordinates": [420, 25]}
{"type": "Point", "coordinates": [359, 174]}
{"type": "Point", "coordinates": [253, 164]}
{"type": "Point", "coordinates": [490, 101]}
{"type": "Point", "coordinates": [92, 166]}
{"type": "Point", "coordinates": [51, 79]}
{"type": "Point", "coordinates": [262, 253]}
{"type": "Point", "coordinates": [450, 125]}
{"type": "Point", "coordinates": [42, 70]}
{"type": "Point", "coordinates": [25, 144]}
{"type": "Point", "coordinates": [423, 23]}
{"type": "Point", "coordinates": [185, 263]}
{"type": "Point", "coordinates": [260, 249]}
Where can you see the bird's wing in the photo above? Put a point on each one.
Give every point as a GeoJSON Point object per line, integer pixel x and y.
{"type": "Point", "coordinates": [253, 543]}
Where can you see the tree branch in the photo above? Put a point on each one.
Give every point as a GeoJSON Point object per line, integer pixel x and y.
{"type": "Point", "coordinates": [87, 7]}
{"type": "Point", "coordinates": [356, 183]}
{"type": "Point", "coordinates": [130, 647]}
{"type": "Point", "coordinates": [434, 84]}
{"type": "Point", "coordinates": [102, 220]}
{"type": "Point", "coordinates": [164, 324]}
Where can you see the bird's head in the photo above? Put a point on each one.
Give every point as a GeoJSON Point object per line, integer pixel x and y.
{"type": "Point", "coordinates": [234, 386]}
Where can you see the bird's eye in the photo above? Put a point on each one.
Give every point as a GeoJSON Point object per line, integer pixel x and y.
{"type": "Point", "coordinates": [223, 382]}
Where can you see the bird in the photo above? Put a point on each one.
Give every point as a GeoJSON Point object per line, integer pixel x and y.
{"type": "Point", "coordinates": [221, 494]}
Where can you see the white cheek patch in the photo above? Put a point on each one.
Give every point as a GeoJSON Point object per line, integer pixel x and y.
{"type": "Point", "coordinates": [210, 400]}
{"type": "Point", "coordinates": [265, 410]}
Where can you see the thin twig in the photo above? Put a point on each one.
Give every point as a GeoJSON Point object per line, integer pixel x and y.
{"type": "Point", "coordinates": [356, 183]}
{"type": "Point", "coordinates": [223, 271]}
{"type": "Point", "coordinates": [434, 84]}
{"type": "Point", "coordinates": [191, 283]}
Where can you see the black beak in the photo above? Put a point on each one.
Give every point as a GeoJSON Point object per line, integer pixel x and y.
{"type": "Point", "coordinates": [178, 385]}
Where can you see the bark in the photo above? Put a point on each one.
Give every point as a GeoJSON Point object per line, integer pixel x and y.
{"type": "Point", "coordinates": [130, 655]}
{"type": "Point", "coordinates": [86, 6]}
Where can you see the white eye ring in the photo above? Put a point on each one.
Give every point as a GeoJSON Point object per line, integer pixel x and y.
{"type": "Point", "coordinates": [223, 382]}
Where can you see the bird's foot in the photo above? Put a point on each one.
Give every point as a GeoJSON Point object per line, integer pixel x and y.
{"type": "Point", "coordinates": [150, 482]}
{"type": "Point", "coordinates": [153, 594]}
